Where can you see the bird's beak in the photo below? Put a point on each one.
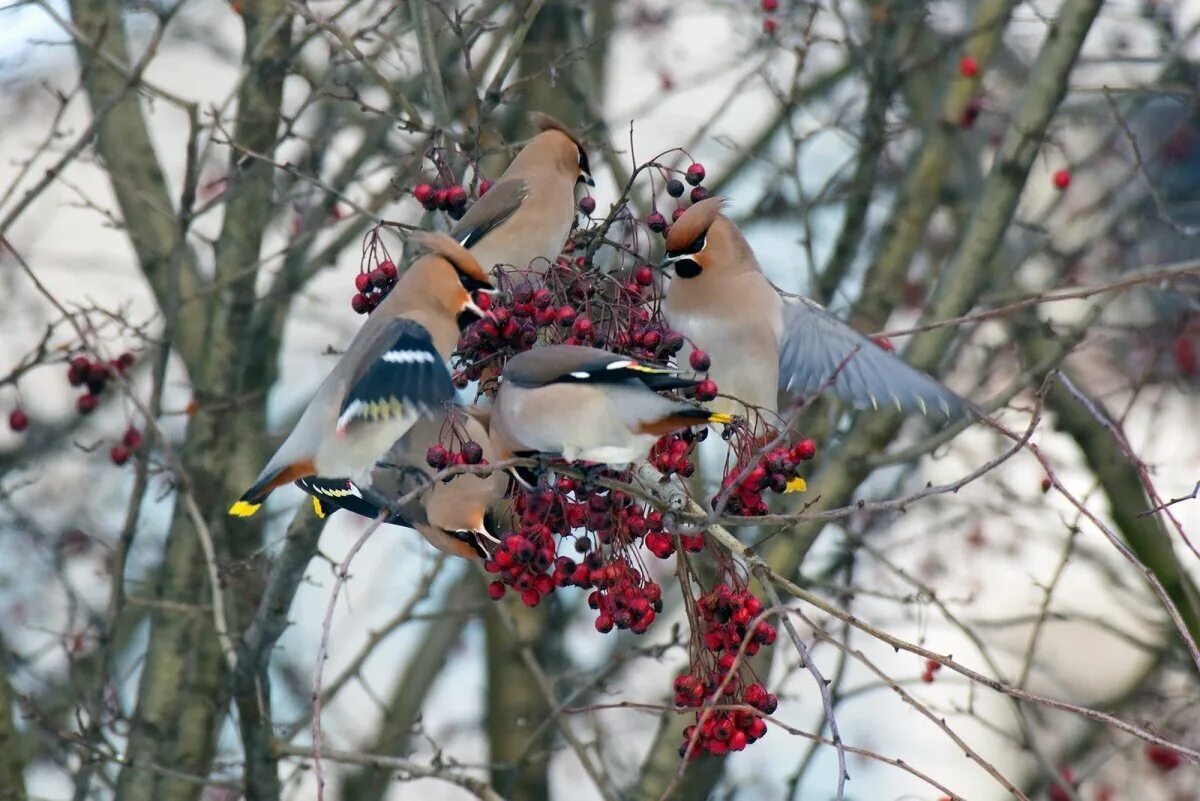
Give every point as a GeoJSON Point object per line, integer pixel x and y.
{"type": "Point", "coordinates": [585, 178]}
{"type": "Point", "coordinates": [668, 262]}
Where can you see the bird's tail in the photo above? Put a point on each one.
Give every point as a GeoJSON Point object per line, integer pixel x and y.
{"type": "Point", "coordinates": [253, 498]}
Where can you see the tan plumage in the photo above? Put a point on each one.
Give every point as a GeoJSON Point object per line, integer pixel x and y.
{"type": "Point", "coordinates": [524, 219]}
{"type": "Point", "coordinates": [452, 515]}
{"type": "Point", "coordinates": [760, 343]}
{"type": "Point", "coordinates": [586, 404]}
{"type": "Point", "coordinates": [392, 375]}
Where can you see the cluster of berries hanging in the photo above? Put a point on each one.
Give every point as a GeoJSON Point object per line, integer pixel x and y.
{"type": "Point", "coordinates": [373, 285]}
{"type": "Point", "coordinates": [719, 675]}
{"type": "Point", "coordinates": [752, 474]}
{"type": "Point", "coordinates": [94, 374]}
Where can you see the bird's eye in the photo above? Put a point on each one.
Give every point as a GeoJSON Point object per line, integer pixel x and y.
{"type": "Point", "coordinates": [687, 268]}
{"type": "Point", "coordinates": [695, 247]}
{"type": "Point", "coordinates": [472, 539]}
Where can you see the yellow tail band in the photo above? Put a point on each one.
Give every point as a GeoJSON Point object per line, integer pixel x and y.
{"type": "Point", "coordinates": [317, 508]}
{"type": "Point", "coordinates": [797, 484]}
{"type": "Point", "coordinates": [720, 417]}
{"type": "Point", "coordinates": [244, 509]}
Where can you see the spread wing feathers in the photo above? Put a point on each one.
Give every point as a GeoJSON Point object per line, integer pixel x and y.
{"type": "Point", "coordinates": [621, 370]}
{"type": "Point", "coordinates": [491, 210]}
{"type": "Point", "coordinates": [819, 350]}
{"type": "Point", "coordinates": [332, 494]}
{"type": "Point", "coordinates": [401, 374]}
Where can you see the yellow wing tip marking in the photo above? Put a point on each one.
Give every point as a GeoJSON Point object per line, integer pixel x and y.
{"type": "Point", "coordinates": [720, 417]}
{"type": "Point", "coordinates": [643, 368]}
{"type": "Point", "coordinates": [317, 508]}
{"type": "Point", "coordinates": [797, 484]}
{"type": "Point", "coordinates": [244, 509]}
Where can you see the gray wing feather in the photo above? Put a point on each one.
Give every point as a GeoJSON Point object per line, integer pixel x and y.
{"type": "Point", "coordinates": [818, 350]}
{"type": "Point", "coordinates": [500, 202]}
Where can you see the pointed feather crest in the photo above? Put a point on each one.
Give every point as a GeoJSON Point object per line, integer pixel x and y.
{"type": "Point", "coordinates": [693, 222]}
{"type": "Point", "coordinates": [459, 257]}
{"type": "Point", "coordinates": [544, 122]}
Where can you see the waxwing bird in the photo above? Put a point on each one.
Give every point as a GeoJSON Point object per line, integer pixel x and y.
{"type": "Point", "coordinates": [452, 515]}
{"type": "Point", "coordinates": [392, 375]}
{"type": "Point", "coordinates": [587, 404]}
{"type": "Point", "coordinates": [524, 219]}
{"type": "Point", "coordinates": [760, 342]}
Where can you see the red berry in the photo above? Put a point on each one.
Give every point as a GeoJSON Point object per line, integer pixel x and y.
{"type": "Point", "coordinates": [387, 268]}
{"type": "Point", "coordinates": [971, 113]}
{"type": "Point", "coordinates": [1163, 758]}
{"type": "Point", "coordinates": [132, 438]}
{"type": "Point", "coordinates": [362, 282]}
{"type": "Point", "coordinates": [423, 193]}
{"type": "Point", "coordinates": [770, 6]}
{"type": "Point", "coordinates": [484, 186]}
{"type": "Point", "coordinates": [587, 204]}
{"type": "Point", "coordinates": [695, 173]}
{"type": "Point", "coordinates": [770, 25]}
{"type": "Point", "coordinates": [674, 188]}
{"type": "Point", "coordinates": [1062, 179]}
{"type": "Point", "coordinates": [706, 390]}
{"type": "Point", "coordinates": [86, 404]}
{"type": "Point", "coordinates": [566, 316]}
{"type": "Point", "coordinates": [655, 221]}
{"type": "Point", "coordinates": [437, 457]}
{"type": "Point", "coordinates": [530, 597]}
{"type": "Point", "coordinates": [472, 452]}
{"type": "Point", "coordinates": [583, 327]}
{"type": "Point", "coordinates": [495, 590]}
{"type": "Point", "coordinates": [1046, 484]}
{"type": "Point", "coordinates": [1057, 793]}
{"type": "Point", "coordinates": [360, 304]}
{"type": "Point", "coordinates": [699, 193]}
{"type": "Point", "coordinates": [805, 449]}
{"type": "Point", "coordinates": [884, 343]}
{"type": "Point", "coordinates": [80, 363]}
{"type": "Point", "coordinates": [125, 361]}
{"type": "Point", "coordinates": [456, 197]}
{"type": "Point", "coordinates": [440, 199]}
{"type": "Point", "coordinates": [677, 213]}
{"type": "Point", "coordinates": [1184, 352]}
{"type": "Point", "coordinates": [18, 420]}
{"type": "Point", "coordinates": [699, 361]}
{"type": "Point", "coordinates": [968, 67]}
{"type": "Point", "coordinates": [378, 279]}
{"type": "Point", "coordinates": [119, 455]}
{"type": "Point", "coordinates": [643, 276]}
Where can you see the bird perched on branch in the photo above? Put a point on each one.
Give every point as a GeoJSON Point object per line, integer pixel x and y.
{"type": "Point", "coordinates": [587, 404]}
{"type": "Point", "coordinates": [524, 219]}
{"type": "Point", "coordinates": [453, 515]}
{"type": "Point", "coordinates": [392, 375]}
{"type": "Point", "coordinates": [760, 342]}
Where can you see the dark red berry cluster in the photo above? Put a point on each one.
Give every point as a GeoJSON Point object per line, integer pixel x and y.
{"type": "Point", "coordinates": [451, 199]}
{"type": "Point", "coordinates": [372, 286]}
{"type": "Point", "coordinates": [571, 307]}
{"type": "Point", "coordinates": [130, 441]}
{"type": "Point", "coordinates": [718, 677]}
{"type": "Point", "coordinates": [439, 457]}
{"type": "Point", "coordinates": [776, 470]}
{"type": "Point", "coordinates": [672, 454]}
{"type": "Point", "coordinates": [694, 176]}
{"type": "Point", "coordinates": [94, 374]}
